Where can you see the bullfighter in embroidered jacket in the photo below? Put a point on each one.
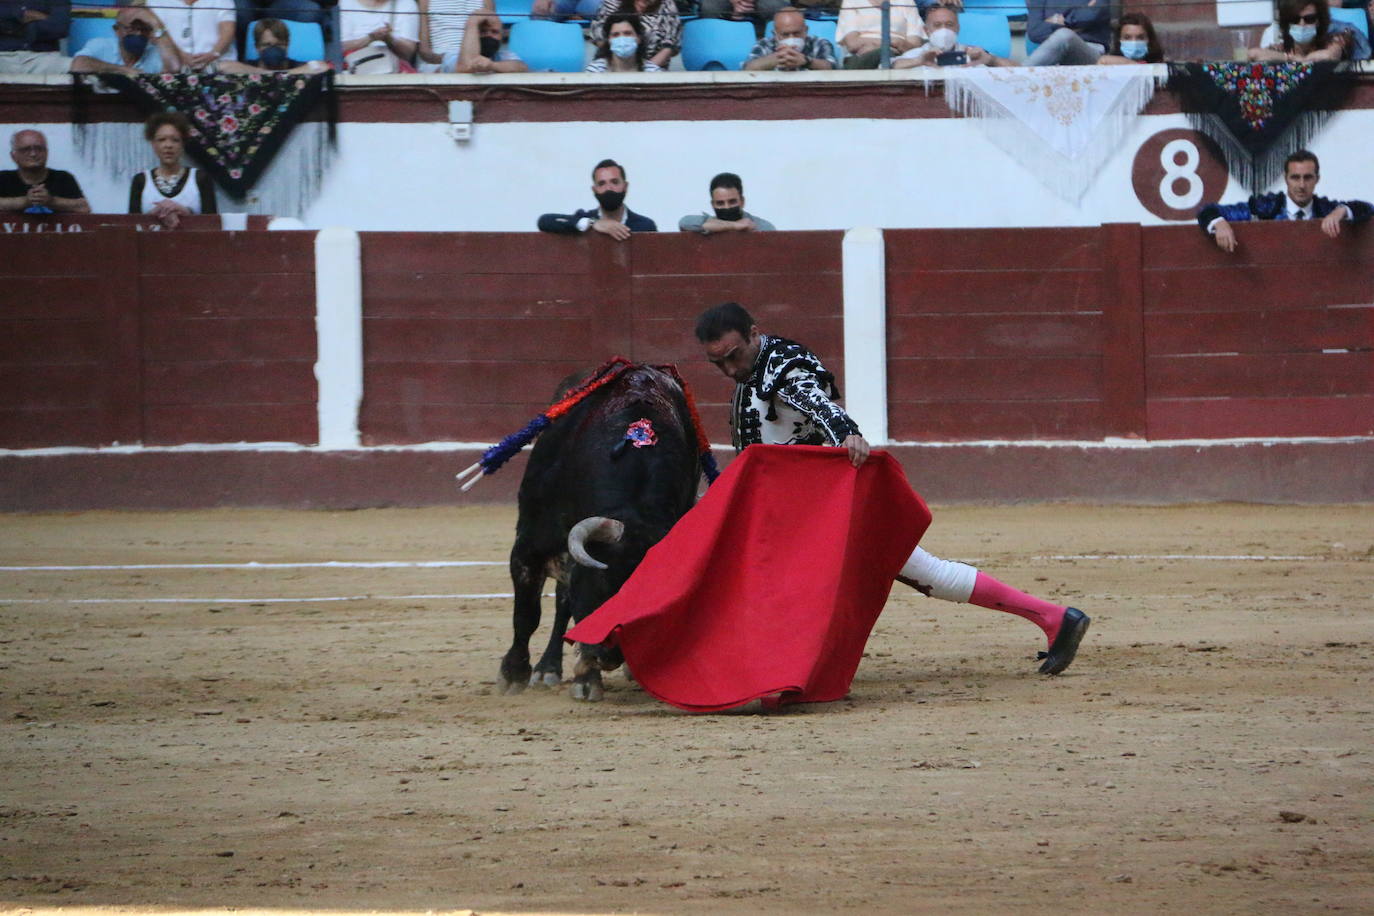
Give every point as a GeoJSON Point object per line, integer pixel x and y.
{"type": "Point", "coordinates": [1301, 172]}
{"type": "Point", "coordinates": [784, 396]}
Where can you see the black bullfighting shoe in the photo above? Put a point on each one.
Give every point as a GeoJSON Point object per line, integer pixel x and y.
{"type": "Point", "coordinates": [1065, 645]}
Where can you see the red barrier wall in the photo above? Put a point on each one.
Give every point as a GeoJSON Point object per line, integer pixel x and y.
{"type": "Point", "coordinates": [467, 335]}
{"type": "Point", "coordinates": [156, 338]}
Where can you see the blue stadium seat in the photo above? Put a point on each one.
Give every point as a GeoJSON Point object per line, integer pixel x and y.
{"type": "Point", "coordinates": [513, 11]}
{"type": "Point", "coordinates": [84, 29]}
{"type": "Point", "coordinates": [716, 44]}
{"type": "Point", "coordinates": [989, 31]}
{"type": "Point", "coordinates": [1356, 16]}
{"type": "Point", "coordinates": [307, 41]}
{"type": "Point", "coordinates": [544, 46]}
{"type": "Point", "coordinates": [1011, 9]}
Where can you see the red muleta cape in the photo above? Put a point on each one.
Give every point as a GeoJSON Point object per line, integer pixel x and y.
{"type": "Point", "coordinates": [770, 584]}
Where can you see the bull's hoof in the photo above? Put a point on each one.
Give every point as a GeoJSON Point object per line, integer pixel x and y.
{"type": "Point", "coordinates": [510, 688]}
{"type": "Point", "coordinates": [629, 675]}
{"type": "Point", "coordinates": [588, 687]}
{"type": "Point", "coordinates": [545, 679]}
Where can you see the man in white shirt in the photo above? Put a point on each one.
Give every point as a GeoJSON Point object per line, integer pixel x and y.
{"type": "Point", "coordinates": [140, 45]}
{"type": "Point", "coordinates": [1301, 172]}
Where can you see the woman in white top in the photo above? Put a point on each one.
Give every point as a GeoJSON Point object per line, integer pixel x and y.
{"type": "Point", "coordinates": [382, 26]}
{"type": "Point", "coordinates": [203, 30]}
{"type": "Point", "coordinates": [443, 23]}
{"type": "Point", "coordinates": [171, 190]}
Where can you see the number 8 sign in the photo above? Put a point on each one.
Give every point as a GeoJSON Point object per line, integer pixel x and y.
{"type": "Point", "coordinates": [1177, 171]}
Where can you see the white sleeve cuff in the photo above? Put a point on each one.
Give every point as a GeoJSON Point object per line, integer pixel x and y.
{"type": "Point", "coordinates": [1212, 226]}
{"type": "Point", "coordinates": [584, 224]}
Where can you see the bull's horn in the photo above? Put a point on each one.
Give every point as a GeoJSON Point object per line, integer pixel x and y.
{"type": "Point", "coordinates": [595, 528]}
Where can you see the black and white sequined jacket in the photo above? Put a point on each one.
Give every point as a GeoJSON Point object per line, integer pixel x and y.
{"type": "Point", "coordinates": [788, 400]}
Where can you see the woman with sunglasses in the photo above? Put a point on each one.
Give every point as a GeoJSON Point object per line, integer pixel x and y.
{"type": "Point", "coordinates": [1306, 33]}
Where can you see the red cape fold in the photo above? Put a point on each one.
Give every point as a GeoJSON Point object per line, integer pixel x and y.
{"type": "Point", "coordinates": [770, 585]}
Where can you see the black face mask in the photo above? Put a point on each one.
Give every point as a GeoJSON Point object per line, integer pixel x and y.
{"type": "Point", "coordinates": [730, 214]}
{"type": "Point", "coordinates": [490, 47]}
{"type": "Point", "coordinates": [610, 201]}
{"type": "Point", "coordinates": [134, 43]}
{"type": "Point", "coordinates": [273, 57]}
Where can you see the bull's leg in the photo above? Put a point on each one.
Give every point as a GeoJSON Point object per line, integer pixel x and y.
{"type": "Point", "coordinates": [587, 676]}
{"type": "Point", "coordinates": [549, 671]}
{"type": "Point", "coordinates": [528, 580]}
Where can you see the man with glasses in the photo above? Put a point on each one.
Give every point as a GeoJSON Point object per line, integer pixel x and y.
{"type": "Point", "coordinates": [33, 187]}
{"type": "Point", "coordinates": [140, 45]}
{"type": "Point", "coordinates": [1301, 172]}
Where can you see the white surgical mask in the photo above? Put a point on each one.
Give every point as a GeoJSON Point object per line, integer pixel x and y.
{"type": "Point", "coordinates": [1302, 34]}
{"type": "Point", "coordinates": [943, 39]}
{"type": "Point", "coordinates": [1135, 50]}
{"type": "Point", "coordinates": [794, 43]}
{"type": "Point", "coordinates": [624, 46]}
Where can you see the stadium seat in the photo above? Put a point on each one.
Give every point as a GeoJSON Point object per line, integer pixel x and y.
{"type": "Point", "coordinates": [307, 41]}
{"type": "Point", "coordinates": [513, 11]}
{"type": "Point", "coordinates": [989, 31]}
{"type": "Point", "coordinates": [83, 30]}
{"type": "Point", "coordinates": [1011, 9]}
{"type": "Point", "coordinates": [1356, 16]}
{"type": "Point", "coordinates": [545, 47]}
{"type": "Point", "coordinates": [716, 44]}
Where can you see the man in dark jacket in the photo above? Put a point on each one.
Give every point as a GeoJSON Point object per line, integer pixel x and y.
{"type": "Point", "coordinates": [29, 34]}
{"type": "Point", "coordinates": [611, 217]}
{"type": "Point", "coordinates": [1301, 172]}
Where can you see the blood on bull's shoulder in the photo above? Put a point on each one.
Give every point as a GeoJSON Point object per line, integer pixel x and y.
{"type": "Point", "coordinates": [604, 483]}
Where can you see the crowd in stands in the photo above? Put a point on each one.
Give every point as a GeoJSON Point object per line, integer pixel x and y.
{"type": "Point", "coordinates": [468, 36]}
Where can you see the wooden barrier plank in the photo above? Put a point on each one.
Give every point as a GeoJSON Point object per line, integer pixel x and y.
{"type": "Point", "coordinates": [415, 422]}
{"type": "Point", "coordinates": [236, 254]}
{"type": "Point", "coordinates": [1272, 331]}
{"type": "Point", "coordinates": [171, 424]}
{"type": "Point", "coordinates": [673, 340]}
{"type": "Point", "coordinates": [1263, 287]}
{"type": "Point", "coordinates": [51, 387]}
{"type": "Point", "coordinates": [1000, 249]}
{"type": "Point", "coordinates": [432, 294]}
{"type": "Point", "coordinates": [964, 292]}
{"type": "Point", "coordinates": [218, 383]}
{"type": "Point", "coordinates": [1260, 417]}
{"type": "Point", "coordinates": [1260, 375]}
{"type": "Point", "coordinates": [468, 382]}
{"type": "Point", "coordinates": [228, 339]}
{"type": "Point", "coordinates": [121, 253]}
{"type": "Point", "coordinates": [766, 296]}
{"type": "Point", "coordinates": [954, 421]}
{"type": "Point", "coordinates": [684, 254]}
{"type": "Point", "coordinates": [1123, 335]}
{"type": "Point", "coordinates": [512, 253]}
{"type": "Point", "coordinates": [1276, 243]}
{"type": "Point", "coordinates": [252, 295]}
{"type": "Point", "coordinates": [44, 427]}
{"type": "Point", "coordinates": [1007, 334]}
{"type": "Point", "coordinates": [975, 380]}
{"type": "Point", "coordinates": [72, 296]}
{"type": "Point", "coordinates": [402, 340]}
{"type": "Point", "coordinates": [52, 342]}
{"type": "Point", "coordinates": [49, 254]}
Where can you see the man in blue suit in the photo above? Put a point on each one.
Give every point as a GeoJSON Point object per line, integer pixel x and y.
{"type": "Point", "coordinates": [1301, 172]}
{"type": "Point", "coordinates": [611, 217]}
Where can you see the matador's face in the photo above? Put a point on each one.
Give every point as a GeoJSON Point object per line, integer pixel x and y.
{"type": "Point", "coordinates": [734, 354]}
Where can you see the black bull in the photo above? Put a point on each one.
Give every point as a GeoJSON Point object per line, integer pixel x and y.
{"type": "Point", "coordinates": [591, 505]}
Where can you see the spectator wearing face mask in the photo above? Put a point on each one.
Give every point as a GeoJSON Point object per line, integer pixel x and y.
{"type": "Point", "coordinates": [942, 47]}
{"type": "Point", "coordinates": [622, 50]}
{"type": "Point", "coordinates": [1305, 32]}
{"type": "Point", "coordinates": [791, 47]}
{"type": "Point", "coordinates": [611, 216]}
{"type": "Point", "coordinates": [727, 209]}
{"type": "Point", "coordinates": [1134, 42]}
{"type": "Point", "coordinates": [140, 45]}
{"type": "Point", "coordinates": [273, 41]}
{"type": "Point", "coordinates": [482, 51]}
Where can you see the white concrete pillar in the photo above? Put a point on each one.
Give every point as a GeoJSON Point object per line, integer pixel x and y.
{"type": "Point", "coordinates": [865, 331]}
{"type": "Point", "coordinates": [339, 335]}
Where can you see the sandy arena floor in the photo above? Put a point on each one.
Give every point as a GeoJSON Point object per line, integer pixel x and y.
{"type": "Point", "coordinates": [258, 747]}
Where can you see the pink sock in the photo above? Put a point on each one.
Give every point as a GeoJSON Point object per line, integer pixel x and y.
{"type": "Point", "coordinates": [989, 593]}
